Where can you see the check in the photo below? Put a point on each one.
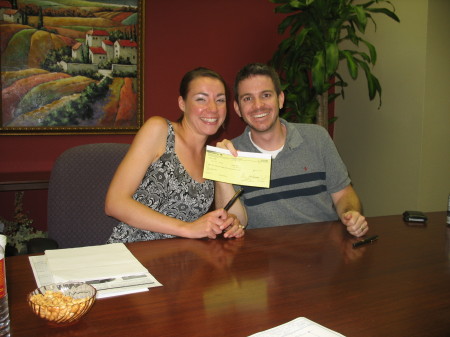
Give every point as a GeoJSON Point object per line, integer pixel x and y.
{"type": "Point", "coordinates": [247, 169]}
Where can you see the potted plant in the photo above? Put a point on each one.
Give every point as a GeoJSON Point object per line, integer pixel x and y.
{"type": "Point", "coordinates": [308, 58]}
{"type": "Point", "coordinates": [19, 230]}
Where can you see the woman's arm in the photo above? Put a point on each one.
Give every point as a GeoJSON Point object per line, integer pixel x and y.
{"type": "Point", "coordinates": [148, 145]}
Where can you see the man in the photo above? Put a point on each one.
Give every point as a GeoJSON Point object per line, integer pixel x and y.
{"type": "Point", "coordinates": [309, 181]}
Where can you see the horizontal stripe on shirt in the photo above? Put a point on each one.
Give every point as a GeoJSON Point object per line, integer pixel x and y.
{"type": "Point", "coordinates": [290, 193]}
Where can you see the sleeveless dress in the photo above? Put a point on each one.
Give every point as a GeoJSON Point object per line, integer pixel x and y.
{"type": "Point", "coordinates": [169, 189]}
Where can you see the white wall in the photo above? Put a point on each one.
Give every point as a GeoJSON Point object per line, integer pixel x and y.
{"type": "Point", "coordinates": [398, 156]}
{"type": "Point", "coordinates": [435, 174]}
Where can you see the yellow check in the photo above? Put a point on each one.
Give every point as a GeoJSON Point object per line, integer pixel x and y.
{"type": "Point", "coordinates": [247, 169]}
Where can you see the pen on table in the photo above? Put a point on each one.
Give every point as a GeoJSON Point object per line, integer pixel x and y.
{"type": "Point", "coordinates": [233, 199]}
{"type": "Point", "coordinates": [365, 241]}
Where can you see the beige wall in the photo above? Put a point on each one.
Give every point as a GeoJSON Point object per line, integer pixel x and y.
{"type": "Point", "coordinates": [398, 156]}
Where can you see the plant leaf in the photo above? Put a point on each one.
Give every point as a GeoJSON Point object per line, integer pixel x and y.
{"type": "Point", "coordinates": [318, 72]}
{"type": "Point", "coordinates": [285, 9]}
{"type": "Point", "coordinates": [300, 38]}
{"type": "Point", "coordinates": [351, 34]}
{"type": "Point", "coordinates": [372, 51]}
{"type": "Point", "coordinates": [385, 11]}
{"type": "Point", "coordinates": [312, 107]}
{"type": "Point", "coordinates": [295, 3]}
{"type": "Point", "coordinates": [361, 17]}
{"type": "Point", "coordinates": [372, 82]}
{"type": "Point", "coordinates": [378, 87]}
{"type": "Point", "coordinates": [291, 97]}
{"type": "Point", "coordinates": [351, 64]}
{"type": "Point", "coordinates": [284, 86]}
{"type": "Point", "coordinates": [333, 97]}
{"type": "Point", "coordinates": [332, 34]}
{"type": "Point", "coordinates": [285, 23]}
{"type": "Point", "coordinates": [332, 58]}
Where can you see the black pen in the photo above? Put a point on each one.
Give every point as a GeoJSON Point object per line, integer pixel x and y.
{"type": "Point", "coordinates": [235, 196]}
{"type": "Point", "coordinates": [365, 241]}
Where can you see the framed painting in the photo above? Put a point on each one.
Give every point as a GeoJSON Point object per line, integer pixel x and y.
{"type": "Point", "coordinates": [71, 67]}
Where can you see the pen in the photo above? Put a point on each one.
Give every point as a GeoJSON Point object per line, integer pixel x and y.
{"type": "Point", "coordinates": [365, 241]}
{"type": "Point", "coordinates": [100, 281]}
{"type": "Point", "coordinates": [232, 200]}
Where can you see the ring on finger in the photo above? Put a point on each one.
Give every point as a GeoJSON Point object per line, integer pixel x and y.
{"type": "Point", "coordinates": [241, 227]}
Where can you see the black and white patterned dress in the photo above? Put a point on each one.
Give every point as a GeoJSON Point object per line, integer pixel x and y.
{"type": "Point", "coordinates": [169, 189]}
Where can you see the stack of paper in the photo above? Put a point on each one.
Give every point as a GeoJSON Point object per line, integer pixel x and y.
{"type": "Point", "coordinates": [299, 327]}
{"type": "Point", "coordinates": [111, 269]}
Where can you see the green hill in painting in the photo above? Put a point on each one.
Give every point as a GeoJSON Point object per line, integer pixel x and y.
{"type": "Point", "coordinates": [15, 55]}
{"type": "Point", "coordinates": [131, 20]}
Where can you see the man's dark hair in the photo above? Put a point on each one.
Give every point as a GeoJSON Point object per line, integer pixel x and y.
{"type": "Point", "coordinates": [254, 69]}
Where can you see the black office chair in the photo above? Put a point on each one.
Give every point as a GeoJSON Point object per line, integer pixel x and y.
{"type": "Point", "coordinates": [76, 196]}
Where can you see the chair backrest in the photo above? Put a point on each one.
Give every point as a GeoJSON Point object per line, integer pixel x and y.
{"type": "Point", "coordinates": [76, 196]}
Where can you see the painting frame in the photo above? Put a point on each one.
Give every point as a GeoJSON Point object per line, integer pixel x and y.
{"type": "Point", "coordinates": [118, 111]}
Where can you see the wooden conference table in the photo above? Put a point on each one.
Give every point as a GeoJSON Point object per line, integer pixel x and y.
{"type": "Point", "coordinates": [397, 286]}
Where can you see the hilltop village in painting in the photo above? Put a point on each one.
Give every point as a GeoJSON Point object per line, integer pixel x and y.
{"type": "Point", "coordinates": [69, 63]}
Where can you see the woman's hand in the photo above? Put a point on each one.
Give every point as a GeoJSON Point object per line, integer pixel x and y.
{"type": "Point", "coordinates": [209, 225]}
{"type": "Point", "coordinates": [214, 223]}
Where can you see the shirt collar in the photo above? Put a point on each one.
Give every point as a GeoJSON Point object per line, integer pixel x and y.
{"type": "Point", "coordinates": [293, 137]}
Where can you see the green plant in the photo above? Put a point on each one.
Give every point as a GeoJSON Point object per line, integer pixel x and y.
{"type": "Point", "coordinates": [308, 59]}
{"type": "Point", "coordinates": [19, 230]}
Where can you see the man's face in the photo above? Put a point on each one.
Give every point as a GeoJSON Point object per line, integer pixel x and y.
{"type": "Point", "coordinates": [258, 103]}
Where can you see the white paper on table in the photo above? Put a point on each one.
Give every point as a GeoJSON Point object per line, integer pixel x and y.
{"type": "Point", "coordinates": [138, 281]}
{"type": "Point", "coordinates": [93, 263]}
{"type": "Point", "coordinates": [299, 327]}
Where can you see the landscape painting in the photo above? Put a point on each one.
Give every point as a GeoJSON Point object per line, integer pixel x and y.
{"type": "Point", "coordinates": [71, 66]}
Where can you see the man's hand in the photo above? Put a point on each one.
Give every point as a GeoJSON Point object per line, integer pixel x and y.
{"type": "Point", "coordinates": [355, 222]}
{"type": "Point", "coordinates": [236, 230]}
{"type": "Point", "coordinates": [227, 145]}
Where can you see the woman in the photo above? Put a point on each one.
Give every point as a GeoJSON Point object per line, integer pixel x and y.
{"type": "Point", "coordinates": [158, 191]}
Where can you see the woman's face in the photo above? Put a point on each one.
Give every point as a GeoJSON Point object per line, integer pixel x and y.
{"type": "Point", "coordinates": [205, 106]}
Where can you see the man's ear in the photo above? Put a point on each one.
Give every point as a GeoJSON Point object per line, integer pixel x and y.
{"type": "Point", "coordinates": [281, 100]}
{"type": "Point", "coordinates": [181, 103]}
{"type": "Point", "coordinates": [236, 108]}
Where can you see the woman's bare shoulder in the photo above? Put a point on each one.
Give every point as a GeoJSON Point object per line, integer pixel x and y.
{"type": "Point", "coordinates": [155, 123]}
{"type": "Point", "coordinates": [154, 128]}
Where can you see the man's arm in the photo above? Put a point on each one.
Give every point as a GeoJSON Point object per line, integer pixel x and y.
{"type": "Point", "coordinates": [224, 192]}
{"type": "Point", "coordinates": [348, 208]}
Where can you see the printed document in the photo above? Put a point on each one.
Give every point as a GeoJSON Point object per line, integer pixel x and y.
{"type": "Point", "coordinates": [112, 269]}
{"type": "Point", "coordinates": [247, 169]}
{"type": "Point", "coordinates": [299, 327]}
